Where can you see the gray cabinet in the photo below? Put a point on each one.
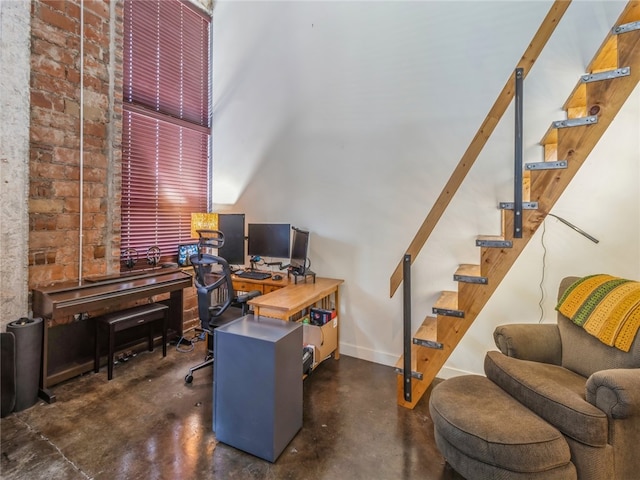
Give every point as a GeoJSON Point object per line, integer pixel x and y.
{"type": "Point", "coordinates": [257, 384]}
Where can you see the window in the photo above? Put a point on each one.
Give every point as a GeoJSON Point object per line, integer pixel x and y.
{"type": "Point", "coordinates": [166, 126]}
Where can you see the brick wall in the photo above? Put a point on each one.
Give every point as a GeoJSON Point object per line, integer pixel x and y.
{"type": "Point", "coordinates": [54, 183]}
{"type": "Point", "coordinates": [54, 196]}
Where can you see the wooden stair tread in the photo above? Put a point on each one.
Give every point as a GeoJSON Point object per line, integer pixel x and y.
{"type": "Point", "coordinates": [490, 238]}
{"type": "Point", "coordinates": [448, 300]}
{"type": "Point", "coordinates": [428, 331]}
{"type": "Point", "coordinates": [468, 270]}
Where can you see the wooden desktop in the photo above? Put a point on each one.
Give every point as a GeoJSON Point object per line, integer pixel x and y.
{"type": "Point", "coordinates": [287, 300]}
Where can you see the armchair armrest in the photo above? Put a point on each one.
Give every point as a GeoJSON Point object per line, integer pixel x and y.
{"type": "Point", "coordinates": [616, 392]}
{"type": "Point", "coordinates": [530, 341]}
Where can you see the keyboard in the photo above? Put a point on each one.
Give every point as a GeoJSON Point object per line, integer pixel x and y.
{"type": "Point", "coordinates": [253, 275]}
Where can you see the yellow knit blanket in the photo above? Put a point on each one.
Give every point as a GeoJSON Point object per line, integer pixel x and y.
{"type": "Point", "coordinates": [607, 307]}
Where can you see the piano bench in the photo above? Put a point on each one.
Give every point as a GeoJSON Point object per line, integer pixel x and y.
{"type": "Point", "coordinates": [129, 318]}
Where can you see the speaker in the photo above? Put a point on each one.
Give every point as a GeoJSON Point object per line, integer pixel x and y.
{"type": "Point", "coordinates": [28, 334]}
{"type": "Point", "coordinates": [7, 373]}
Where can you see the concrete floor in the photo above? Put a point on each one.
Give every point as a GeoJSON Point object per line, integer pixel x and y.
{"type": "Point", "coordinates": [147, 423]}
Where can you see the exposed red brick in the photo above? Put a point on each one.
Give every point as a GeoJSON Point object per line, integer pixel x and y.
{"type": "Point", "coordinates": [57, 19]}
{"type": "Point", "coordinates": [43, 222]}
{"type": "Point", "coordinates": [40, 189]}
{"type": "Point", "coordinates": [42, 239]}
{"type": "Point", "coordinates": [52, 51]}
{"type": "Point", "coordinates": [47, 66]}
{"type": "Point", "coordinates": [68, 221]}
{"type": "Point", "coordinates": [96, 129]}
{"type": "Point", "coordinates": [100, 8]}
{"type": "Point", "coordinates": [66, 189]}
{"type": "Point", "coordinates": [99, 251]}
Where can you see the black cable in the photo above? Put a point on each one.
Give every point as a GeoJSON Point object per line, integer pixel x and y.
{"type": "Point", "coordinates": [544, 257]}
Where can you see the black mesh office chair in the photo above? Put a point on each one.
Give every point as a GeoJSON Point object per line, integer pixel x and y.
{"type": "Point", "coordinates": [218, 302]}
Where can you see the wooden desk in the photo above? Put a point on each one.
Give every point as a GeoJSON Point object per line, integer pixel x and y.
{"type": "Point", "coordinates": [291, 300]}
{"type": "Point", "coordinates": [267, 285]}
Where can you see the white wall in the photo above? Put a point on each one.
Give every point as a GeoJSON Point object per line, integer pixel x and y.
{"type": "Point", "coordinates": [347, 118]}
{"type": "Point", "coordinates": [14, 159]}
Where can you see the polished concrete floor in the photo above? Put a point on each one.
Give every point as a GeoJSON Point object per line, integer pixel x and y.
{"type": "Point", "coordinates": [147, 423]}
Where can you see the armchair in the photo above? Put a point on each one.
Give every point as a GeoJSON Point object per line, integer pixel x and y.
{"type": "Point", "coordinates": [218, 302]}
{"type": "Point", "coordinates": [584, 389]}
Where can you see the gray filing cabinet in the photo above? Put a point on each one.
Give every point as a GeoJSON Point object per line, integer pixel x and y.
{"type": "Point", "coordinates": [257, 384]}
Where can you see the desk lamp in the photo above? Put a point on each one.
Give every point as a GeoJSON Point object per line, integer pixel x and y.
{"type": "Point", "coordinates": [203, 221]}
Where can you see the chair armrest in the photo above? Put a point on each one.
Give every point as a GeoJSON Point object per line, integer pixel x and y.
{"type": "Point", "coordinates": [245, 297]}
{"type": "Point", "coordinates": [616, 392]}
{"type": "Point", "coordinates": [530, 341]}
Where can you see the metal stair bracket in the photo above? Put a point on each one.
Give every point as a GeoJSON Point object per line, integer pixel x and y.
{"type": "Point", "coordinates": [494, 243]}
{"type": "Point", "coordinates": [406, 341]}
{"type": "Point", "coordinates": [627, 27]}
{"type": "Point", "coordinates": [575, 122]}
{"type": "Point", "coordinates": [525, 205]}
{"type": "Point", "coordinates": [517, 183]}
{"type": "Point", "coordinates": [546, 165]}
{"type": "Point", "coordinates": [470, 279]}
{"type": "Point", "coordinates": [596, 77]}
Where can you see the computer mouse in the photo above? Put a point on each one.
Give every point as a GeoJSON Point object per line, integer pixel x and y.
{"type": "Point", "coordinates": [277, 277]}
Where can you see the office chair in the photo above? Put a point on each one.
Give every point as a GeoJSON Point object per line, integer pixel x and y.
{"type": "Point", "coordinates": [218, 303]}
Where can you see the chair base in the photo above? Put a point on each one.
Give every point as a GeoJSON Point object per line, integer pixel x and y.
{"type": "Point", "coordinates": [207, 362]}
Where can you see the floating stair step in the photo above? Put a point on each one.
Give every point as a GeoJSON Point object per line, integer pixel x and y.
{"type": "Point", "coordinates": [468, 273]}
{"type": "Point", "coordinates": [546, 165]}
{"type": "Point", "coordinates": [427, 334]}
{"type": "Point", "coordinates": [493, 241]}
{"type": "Point", "coordinates": [551, 136]}
{"type": "Point", "coordinates": [525, 205]}
{"type": "Point", "coordinates": [447, 305]}
{"type": "Point", "coordinates": [399, 367]}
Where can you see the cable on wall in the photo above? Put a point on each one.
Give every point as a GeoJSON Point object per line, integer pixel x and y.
{"type": "Point", "coordinates": [544, 255]}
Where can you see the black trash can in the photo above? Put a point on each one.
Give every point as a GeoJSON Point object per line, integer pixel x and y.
{"type": "Point", "coordinates": [28, 334]}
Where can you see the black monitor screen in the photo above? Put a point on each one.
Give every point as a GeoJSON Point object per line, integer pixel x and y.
{"type": "Point", "coordinates": [232, 226]}
{"type": "Point", "coordinates": [269, 239]}
{"type": "Point", "coordinates": [299, 248]}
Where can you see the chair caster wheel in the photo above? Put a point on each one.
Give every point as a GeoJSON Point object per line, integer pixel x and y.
{"type": "Point", "coordinates": [188, 378]}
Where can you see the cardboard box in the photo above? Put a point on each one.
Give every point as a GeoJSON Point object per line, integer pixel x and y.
{"type": "Point", "coordinates": [324, 339]}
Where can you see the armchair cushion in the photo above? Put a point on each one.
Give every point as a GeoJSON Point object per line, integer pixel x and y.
{"type": "Point", "coordinates": [585, 354]}
{"type": "Point", "coordinates": [553, 392]}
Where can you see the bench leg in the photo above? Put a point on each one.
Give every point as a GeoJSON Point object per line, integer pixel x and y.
{"type": "Point", "coordinates": [165, 326]}
{"type": "Point", "coordinates": [112, 347]}
{"type": "Point", "coordinates": [150, 336]}
{"type": "Point", "coordinates": [96, 358]}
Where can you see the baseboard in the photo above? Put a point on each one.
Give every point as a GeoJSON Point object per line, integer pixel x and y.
{"type": "Point", "coordinates": [390, 360]}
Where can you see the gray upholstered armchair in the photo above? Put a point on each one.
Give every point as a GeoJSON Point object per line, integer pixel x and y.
{"type": "Point", "coordinates": [587, 391]}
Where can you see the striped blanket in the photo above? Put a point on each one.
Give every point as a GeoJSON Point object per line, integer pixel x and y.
{"type": "Point", "coordinates": [607, 307]}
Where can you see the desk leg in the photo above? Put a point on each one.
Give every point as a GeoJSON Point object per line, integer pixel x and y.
{"type": "Point", "coordinates": [336, 354]}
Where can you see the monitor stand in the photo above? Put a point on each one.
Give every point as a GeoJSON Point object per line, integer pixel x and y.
{"type": "Point", "coordinates": [307, 273]}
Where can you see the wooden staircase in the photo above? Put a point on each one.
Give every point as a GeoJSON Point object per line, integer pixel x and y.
{"type": "Point", "coordinates": [611, 77]}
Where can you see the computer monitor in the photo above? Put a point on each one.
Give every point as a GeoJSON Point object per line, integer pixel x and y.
{"type": "Point", "coordinates": [269, 240]}
{"type": "Point", "coordinates": [232, 226]}
{"type": "Point", "coordinates": [299, 250]}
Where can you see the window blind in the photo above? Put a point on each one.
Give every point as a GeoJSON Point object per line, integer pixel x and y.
{"type": "Point", "coordinates": [166, 127]}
